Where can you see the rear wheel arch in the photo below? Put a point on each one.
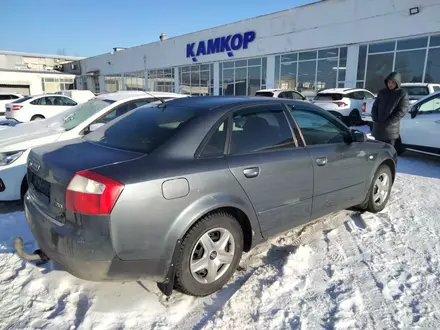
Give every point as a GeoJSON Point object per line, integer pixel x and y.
{"type": "Point", "coordinates": [36, 117]}
{"type": "Point", "coordinates": [24, 187]}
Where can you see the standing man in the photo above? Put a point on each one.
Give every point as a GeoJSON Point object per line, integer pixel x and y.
{"type": "Point", "coordinates": [390, 106]}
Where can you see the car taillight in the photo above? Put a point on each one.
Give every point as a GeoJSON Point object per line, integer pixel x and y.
{"type": "Point", "coordinates": [364, 107]}
{"type": "Point", "coordinates": [92, 193]}
{"type": "Point", "coordinates": [16, 107]}
{"type": "Point", "coordinates": [340, 104]}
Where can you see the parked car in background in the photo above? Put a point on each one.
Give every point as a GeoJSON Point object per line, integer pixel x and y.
{"type": "Point", "coordinates": [417, 91]}
{"type": "Point", "coordinates": [175, 192]}
{"type": "Point", "coordinates": [282, 93]}
{"type": "Point", "coordinates": [7, 98]}
{"type": "Point", "coordinates": [420, 128]}
{"type": "Point", "coordinates": [347, 104]}
{"type": "Point", "coordinates": [79, 96]}
{"type": "Point", "coordinates": [16, 142]}
{"type": "Point", "coordinates": [38, 107]}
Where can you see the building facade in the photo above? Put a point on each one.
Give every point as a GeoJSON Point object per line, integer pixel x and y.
{"type": "Point", "coordinates": [327, 44]}
{"type": "Point", "coordinates": [31, 74]}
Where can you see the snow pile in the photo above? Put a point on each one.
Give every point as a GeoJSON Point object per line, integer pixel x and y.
{"type": "Point", "coordinates": [349, 271]}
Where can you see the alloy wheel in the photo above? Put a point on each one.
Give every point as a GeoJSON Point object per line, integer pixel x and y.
{"type": "Point", "coordinates": [212, 255]}
{"type": "Point", "coordinates": [381, 189]}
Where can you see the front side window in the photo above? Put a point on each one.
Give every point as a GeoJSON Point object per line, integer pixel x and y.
{"type": "Point", "coordinates": [433, 105]}
{"type": "Point", "coordinates": [144, 129]}
{"type": "Point", "coordinates": [316, 129]}
{"type": "Point", "coordinates": [84, 111]}
{"type": "Point", "coordinates": [121, 110]}
{"type": "Point", "coordinates": [260, 128]}
{"type": "Point", "coordinates": [268, 94]}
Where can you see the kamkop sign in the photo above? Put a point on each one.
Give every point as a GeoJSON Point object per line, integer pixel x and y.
{"type": "Point", "coordinates": [219, 45]}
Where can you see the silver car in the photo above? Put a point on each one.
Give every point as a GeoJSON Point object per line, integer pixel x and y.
{"type": "Point", "coordinates": [176, 192]}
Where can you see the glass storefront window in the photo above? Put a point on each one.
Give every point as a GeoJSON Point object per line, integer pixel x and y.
{"type": "Point", "coordinates": [196, 79]}
{"type": "Point", "coordinates": [410, 65]}
{"type": "Point", "coordinates": [161, 80]}
{"type": "Point", "coordinates": [378, 68]}
{"type": "Point", "coordinates": [242, 77]}
{"type": "Point", "coordinates": [113, 83]}
{"type": "Point", "coordinates": [53, 85]}
{"type": "Point", "coordinates": [406, 56]}
{"type": "Point", "coordinates": [433, 66]}
{"type": "Point", "coordinates": [135, 81]}
{"type": "Point", "coordinates": [311, 71]}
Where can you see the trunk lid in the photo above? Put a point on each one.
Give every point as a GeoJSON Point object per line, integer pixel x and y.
{"type": "Point", "coordinates": [50, 169]}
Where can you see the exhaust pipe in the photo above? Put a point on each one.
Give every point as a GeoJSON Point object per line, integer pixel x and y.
{"type": "Point", "coordinates": [38, 255]}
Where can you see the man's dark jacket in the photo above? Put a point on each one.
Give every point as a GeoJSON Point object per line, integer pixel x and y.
{"type": "Point", "coordinates": [388, 109]}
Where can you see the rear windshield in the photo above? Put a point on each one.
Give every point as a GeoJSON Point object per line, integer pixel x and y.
{"type": "Point", "coordinates": [22, 99]}
{"type": "Point", "coordinates": [269, 94]}
{"type": "Point", "coordinates": [144, 129]}
{"type": "Point", "coordinates": [84, 111]}
{"type": "Point", "coordinates": [416, 90]}
{"type": "Point", "coordinates": [328, 97]}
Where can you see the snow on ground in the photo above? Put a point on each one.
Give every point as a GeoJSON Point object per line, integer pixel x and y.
{"type": "Point", "coordinates": [349, 271]}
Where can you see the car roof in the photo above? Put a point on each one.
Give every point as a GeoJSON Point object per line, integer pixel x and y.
{"type": "Point", "coordinates": [123, 95]}
{"type": "Point", "coordinates": [276, 90]}
{"type": "Point", "coordinates": [211, 102]}
{"type": "Point", "coordinates": [419, 84]}
{"type": "Point", "coordinates": [5, 93]}
{"type": "Point", "coordinates": [340, 90]}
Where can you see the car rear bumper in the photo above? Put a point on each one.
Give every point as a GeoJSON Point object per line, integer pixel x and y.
{"type": "Point", "coordinates": [86, 250]}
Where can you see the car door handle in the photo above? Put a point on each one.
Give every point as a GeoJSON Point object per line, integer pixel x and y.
{"type": "Point", "coordinates": [251, 172]}
{"type": "Point", "coordinates": [321, 161]}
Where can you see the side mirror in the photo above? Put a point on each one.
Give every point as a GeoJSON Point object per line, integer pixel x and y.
{"type": "Point", "coordinates": [358, 136]}
{"type": "Point", "coordinates": [414, 111]}
{"type": "Point", "coordinates": [94, 127]}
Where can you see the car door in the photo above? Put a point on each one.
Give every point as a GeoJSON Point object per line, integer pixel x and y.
{"type": "Point", "coordinates": [423, 131]}
{"type": "Point", "coordinates": [341, 167]}
{"type": "Point", "coordinates": [274, 172]}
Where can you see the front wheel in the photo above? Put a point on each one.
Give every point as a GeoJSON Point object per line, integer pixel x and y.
{"type": "Point", "coordinates": [380, 190]}
{"type": "Point", "coordinates": [209, 255]}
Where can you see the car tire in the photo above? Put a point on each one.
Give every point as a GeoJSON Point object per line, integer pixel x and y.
{"type": "Point", "coordinates": [37, 117]}
{"type": "Point", "coordinates": [354, 118]}
{"type": "Point", "coordinates": [203, 236]}
{"type": "Point", "coordinates": [372, 204]}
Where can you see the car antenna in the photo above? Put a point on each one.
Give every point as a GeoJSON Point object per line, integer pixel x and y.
{"type": "Point", "coordinates": [157, 99]}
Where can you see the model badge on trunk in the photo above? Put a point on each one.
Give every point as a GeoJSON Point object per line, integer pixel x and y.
{"type": "Point", "coordinates": [56, 204]}
{"type": "Point", "coordinates": [34, 164]}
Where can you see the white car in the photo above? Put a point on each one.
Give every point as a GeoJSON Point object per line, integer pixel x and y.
{"type": "Point", "coordinates": [6, 98]}
{"type": "Point", "coordinates": [348, 104]}
{"type": "Point", "coordinates": [282, 93]}
{"type": "Point", "coordinates": [420, 128]}
{"type": "Point", "coordinates": [417, 91]}
{"type": "Point", "coordinates": [16, 142]}
{"type": "Point", "coordinates": [38, 107]}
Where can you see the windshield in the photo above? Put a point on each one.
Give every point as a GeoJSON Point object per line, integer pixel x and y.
{"type": "Point", "coordinates": [72, 118]}
{"type": "Point", "coordinates": [269, 94]}
{"type": "Point", "coordinates": [144, 129]}
{"type": "Point", "coordinates": [328, 97]}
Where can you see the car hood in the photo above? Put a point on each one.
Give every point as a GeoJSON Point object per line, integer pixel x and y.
{"type": "Point", "coordinates": [27, 135]}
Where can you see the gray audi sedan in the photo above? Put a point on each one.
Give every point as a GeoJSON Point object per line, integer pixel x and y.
{"type": "Point", "coordinates": [176, 192]}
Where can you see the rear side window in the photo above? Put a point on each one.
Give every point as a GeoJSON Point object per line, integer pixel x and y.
{"type": "Point", "coordinates": [22, 99]}
{"type": "Point", "coordinates": [216, 143]}
{"type": "Point", "coordinates": [328, 97]}
{"type": "Point", "coordinates": [144, 129]}
{"type": "Point", "coordinates": [268, 94]}
{"type": "Point", "coordinates": [436, 88]}
{"type": "Point", "coordinates": [297, 96]}
{"type": "Point", "coordinates": [260, 128]}
{"type": "Point", "coordinates": [416, 90]}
